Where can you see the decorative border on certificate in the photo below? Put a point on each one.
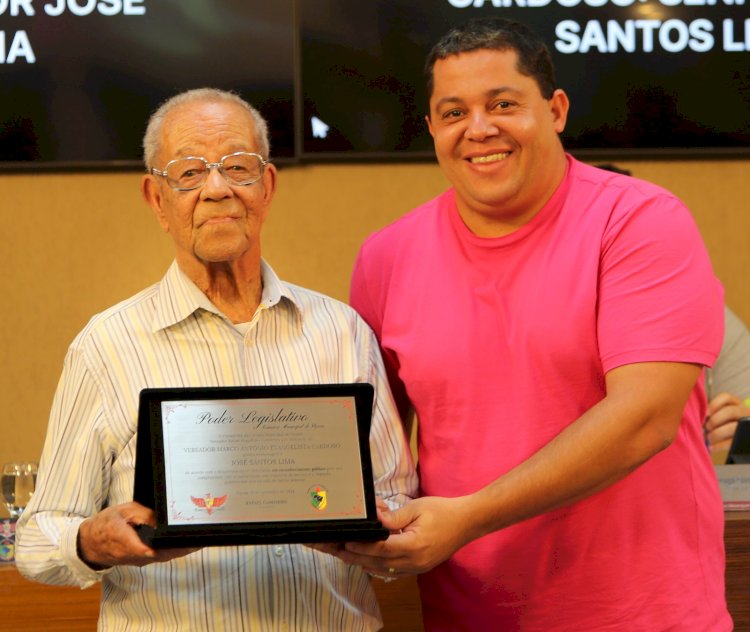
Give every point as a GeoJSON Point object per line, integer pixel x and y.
{"type": "Point", "coordinates": [261, 460]}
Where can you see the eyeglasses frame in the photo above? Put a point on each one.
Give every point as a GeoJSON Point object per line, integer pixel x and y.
{"type": "Point", "coordinates": [209, 165]}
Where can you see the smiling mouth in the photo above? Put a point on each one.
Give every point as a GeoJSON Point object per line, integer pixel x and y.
{"type": "Point", "coordinates": [490, 158]}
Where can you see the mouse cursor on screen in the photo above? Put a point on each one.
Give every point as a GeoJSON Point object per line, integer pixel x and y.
{"type": "Point", "coordinates": [319, 128]}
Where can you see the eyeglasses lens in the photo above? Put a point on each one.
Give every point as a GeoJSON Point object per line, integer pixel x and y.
{"type": "Point", "coordinates": [238, 169]}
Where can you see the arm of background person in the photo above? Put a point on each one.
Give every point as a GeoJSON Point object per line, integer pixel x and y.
{"type": "Point", "coordinates": [722, 415]}
{"type": "Point", "coordinates": [728, 384]}
{"type": "Point", "coordinates": [731, 373]}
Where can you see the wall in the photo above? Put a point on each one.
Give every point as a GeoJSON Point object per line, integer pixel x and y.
{"type": "Point", "coordinates": [73, 244]}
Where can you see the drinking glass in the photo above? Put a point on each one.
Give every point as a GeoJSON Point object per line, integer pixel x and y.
{"type": "Point", "coordinates": [18, 483]}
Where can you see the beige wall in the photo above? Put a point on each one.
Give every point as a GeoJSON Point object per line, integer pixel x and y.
{"type": "Point", "coordinates": [74, 244]}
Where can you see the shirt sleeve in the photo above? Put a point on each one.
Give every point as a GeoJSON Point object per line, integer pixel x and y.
{"type": "Point", "coordinates": [659, 299]}
{"type": "Point", "coordinates": [70, 483]}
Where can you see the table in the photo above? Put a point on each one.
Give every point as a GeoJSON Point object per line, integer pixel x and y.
{"type": "Point", "coordinates": [737, 542]}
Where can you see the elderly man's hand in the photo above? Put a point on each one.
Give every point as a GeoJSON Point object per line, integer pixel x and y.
{"type": "Point", "coordinates": [722, 414]}
{"type": "Point", "coordinates": [109, 538]}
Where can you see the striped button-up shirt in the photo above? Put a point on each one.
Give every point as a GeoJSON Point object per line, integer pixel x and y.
{"type": "Point", "coordinates": [171, 335]}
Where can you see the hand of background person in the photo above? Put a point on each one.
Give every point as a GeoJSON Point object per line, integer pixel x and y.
{"type": "Point", "coordinates": [109, 538]}
{"type": "Point", "coordinates": [424, 533]}
{"type": "Point", "coordinates": [721, 420]}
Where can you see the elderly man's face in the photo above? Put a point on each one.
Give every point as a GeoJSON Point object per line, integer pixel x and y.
{"type": "Point", "coordinates": [217, 222]}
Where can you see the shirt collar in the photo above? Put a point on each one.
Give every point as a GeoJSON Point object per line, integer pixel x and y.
{"type": "Point", "coordinates": [178, 297]}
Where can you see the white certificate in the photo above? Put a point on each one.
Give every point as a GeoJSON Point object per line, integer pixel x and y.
{"type": "Point", "coordinates": [262, 460]}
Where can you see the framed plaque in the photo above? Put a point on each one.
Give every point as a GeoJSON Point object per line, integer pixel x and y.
{"type": "Point", "coordinates": [256, 465]}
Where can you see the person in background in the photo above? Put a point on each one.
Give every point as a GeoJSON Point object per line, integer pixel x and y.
{"type": "Point", "coordinates": [219, 317]}
{"type": "Point", "coordinates": [548, 322]}
{"type": "Point", "coordinates": [728, 384]}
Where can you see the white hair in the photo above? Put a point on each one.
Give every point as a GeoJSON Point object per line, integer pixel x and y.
{"type": "Point", "coordinates": [152, 137]}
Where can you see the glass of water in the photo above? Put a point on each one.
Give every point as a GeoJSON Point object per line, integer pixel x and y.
{"type": "Point", "coordinates": [18, 483]}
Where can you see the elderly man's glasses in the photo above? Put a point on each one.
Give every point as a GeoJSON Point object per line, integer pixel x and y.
{"type": "Point", "coordinates": [238, 169]}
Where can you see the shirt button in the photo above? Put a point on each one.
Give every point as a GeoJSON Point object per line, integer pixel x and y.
{"type": "Point", "coordinates": [278, 551]}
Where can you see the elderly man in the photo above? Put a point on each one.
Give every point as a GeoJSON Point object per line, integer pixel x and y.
{"type": "Point", "coordinates": [219, 317]}
{"type": "Point", "coordinates": [548, 322]}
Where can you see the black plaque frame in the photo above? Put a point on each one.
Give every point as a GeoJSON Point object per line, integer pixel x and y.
{"type": "Point", "coordinates": [150, 479]}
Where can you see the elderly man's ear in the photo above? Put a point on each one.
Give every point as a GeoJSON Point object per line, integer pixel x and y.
{"type": "Point", "coordinates": [151, 192]}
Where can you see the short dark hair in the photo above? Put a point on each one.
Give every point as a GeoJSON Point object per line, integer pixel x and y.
{"type": "Point", "coordinates": [534, 59]}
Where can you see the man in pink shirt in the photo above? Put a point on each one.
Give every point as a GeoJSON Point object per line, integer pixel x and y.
{"type": "Point", "coordinates": [548, 323]}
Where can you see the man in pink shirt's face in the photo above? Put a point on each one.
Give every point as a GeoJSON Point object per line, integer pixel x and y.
{"type": "Point", "coordinates": [496, 138]}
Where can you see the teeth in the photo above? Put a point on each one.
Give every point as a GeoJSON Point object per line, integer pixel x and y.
{"type": "Point", "coordinates": [490, 158]}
